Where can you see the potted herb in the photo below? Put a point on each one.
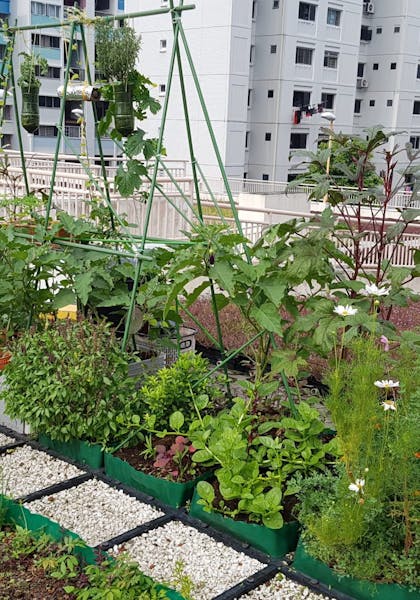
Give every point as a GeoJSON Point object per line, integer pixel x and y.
{"type": "Point", "coordinates": [157, 456]}
{"type": "Point", "coordinates": [70, 383]}
{"type": "Point", "coordinates": [361, 523]}
{"type": "Point", "coordinates": [260, 464]}
{"type": "Point", "coordinates": [30, 84]}
{"type": "Point", "coordinates": [117, 49]}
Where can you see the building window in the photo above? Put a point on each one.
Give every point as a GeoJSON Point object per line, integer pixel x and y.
{"type": "Point", "coordinates": [45, 41]}
{"type": "Point", "coordinates": [49, 102]}
{"type": "Point", "coordinates": [6, 140]}
{"type": "Point", "coordinates": [265, 177]}
{"type": "Point", "coordinates": [397, 29]}
{"type": "Point", "coordinates": [393, 66]}
{"type": "Point", "coordinates": [307, 11]}
{"type": "Point", "coordinates": [357, 106]}
{"type": "Point", "coordinates": [249, 102]}
{"type": "Point", "coordinates": [37, 8]}
{"type": "Point", "coordinates": [379, 30]}
{"type": "Point", "coordinates": [254, 9]}
{"type": "Point", "coordinates": [327, 100]}
{"type": "Point", "coordinates": [273, 48]}
{"type": "Point", "coordinates": [415, 141]}
{"type": "Point", "coordinates": [333, 17]}
{"type": "Point", "coordinates": [2, 51]}
{"type": "Point", "coordinates": [298, 140]}
{"type": "Point", "coordinates": [268, 137]}
{"type": "Point", "coordinates": [301, 98]}
{"type": "Point", "coordinates": [8, 112]}
{"type": "Point", "coordinates": [252, 54]}
{"type": "Point", "coordinates": [246, 175]}
{"type": "Point", "coordinates": [389, 102]}
{"type": "Point", "coordinates": [375, 66]}
{"type": "Point", "coordinates": [365, 33]}
{"type": "Point", "coordinates": [304, 56]}
{"type": "Point", "coordinates": [163, 45]}
{"type": "Point", "coordinates": [162, 89]}
{"type": "Point", "coordinates": [360, 69]}
{"type": "Point", "coordinates": [270, 94]}
{"type": "Point", "coordinates": [330, 59]}
{"type": "Point", "coordinates": [47, 131]}
{"type": "Point", "coordinates": [418, 71]}
{"type": "Point", "coordinates": [247, 140]}
{"type": "Point", "coordinates": [416, 107]}
{"type": "Point", "coordinates": [52, 72]}
{"type": "Point", "coordinates": [276, 3]}
{"type": "Point", "coordinates": [371, 102]}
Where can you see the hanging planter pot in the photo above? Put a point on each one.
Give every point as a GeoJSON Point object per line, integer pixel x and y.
{"type": "Point", "coordinates": [30, 108]}
{"type": "Point", "coordinates": [124, 112]}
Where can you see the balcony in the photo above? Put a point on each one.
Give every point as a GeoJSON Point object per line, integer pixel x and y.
{"type": "Point", "coordinates": [44, 19]}
{"type": "Point", "coordinates": [48, 53]}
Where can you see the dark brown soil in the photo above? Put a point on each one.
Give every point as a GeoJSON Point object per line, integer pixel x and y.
{"type": "Point", "coordinates": [21, 579]}
{"type": "Point", "coordinates": [136, 459]}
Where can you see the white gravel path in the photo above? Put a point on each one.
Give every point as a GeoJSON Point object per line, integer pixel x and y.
{"type": "Point", "coordinates": [5, 439]}
{"type": "Point", "coordinates": [25, 470]}
{"type": "Point", "coordinates": [94, 510]}
{"type": "Point", "coordinates": [281, 588]}
{"type": "Point", "coordinates": [210, 566]}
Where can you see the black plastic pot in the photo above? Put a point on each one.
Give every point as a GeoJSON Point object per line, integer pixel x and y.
{"type": "Point", "coordinates": [30, 109]}
{"type": "Point", "coordinates": [124, 114]}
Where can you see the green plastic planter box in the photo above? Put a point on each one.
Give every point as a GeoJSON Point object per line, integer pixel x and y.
{"type": "Point", "coordinates": [19, 515]}
{"type": "Point", "coordinates": [357, 588]}
{"type": "Point", "coordinates": [170, 492]}
{"type": "Point", "coordinates": [275, 542]}
{"type": "Point", "coordinates": [78, 450]}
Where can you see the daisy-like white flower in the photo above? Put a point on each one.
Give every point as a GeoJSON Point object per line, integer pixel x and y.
{"type": "Point", "coordinates": [389, 405]}
{"type": "Point", "coordinates": [345, 311]}
{"type": "Point", "coordinates": [387, 384]}
{"type": "Point", "coordinates": [357, 486]}
{"type": "Point", "coordinates": [372, 289]}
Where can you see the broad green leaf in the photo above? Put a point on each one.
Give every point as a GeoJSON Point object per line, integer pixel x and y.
{"type": "Point", "coordinates": [205, 490]}
{"type": "Point", "coordinates": [176, 420]}
{"type": "Point", "coordinates": [134, 144]}
{"type": "Point", "coordinates": [63, 298]}
{"type": "Point", "coordinates": [83, 286]}
{"type": "Point", "coordinates": [223, 273]}
{"type": "Point", "coordinates": [267, 316]}
{"type": "Point", "coordinates": [274, 288]}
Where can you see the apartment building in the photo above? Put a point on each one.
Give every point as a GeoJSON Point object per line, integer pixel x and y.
{"type": "Point", "coordinates": [52, 44]}
{"type": "Point", "coordinates": [259, 61]}
{"type": "Point", "coordinates": [265, 68]}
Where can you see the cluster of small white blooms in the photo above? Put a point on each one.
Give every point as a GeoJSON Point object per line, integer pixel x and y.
{"type": "Point", "coordinates": [211, 566]}
{"type": "Point", "coordinates": [25, 470]}
{"type": "Point", "coordinates": [95, 511]}
{"type": "Point", "coordinates": [345, 311]}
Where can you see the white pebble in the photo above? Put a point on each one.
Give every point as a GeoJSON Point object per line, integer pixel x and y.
{"type": "Point", "coordinates": [5, 439]}
{"type": "Point", "coordinates": [210, 566]}
{"type": "Point", "coordinates": [25, 470]}
{"type": "Point", "coordinates": [281, 588]}
{"type": "Point", "coordinates": [94, 510]}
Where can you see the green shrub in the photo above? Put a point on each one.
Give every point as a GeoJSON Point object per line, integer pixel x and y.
{"type": "Point", "coordinates": [70, 381]}
{"type": "Point", "coordinates": [173, 388]}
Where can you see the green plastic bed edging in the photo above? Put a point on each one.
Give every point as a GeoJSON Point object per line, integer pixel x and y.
{"type": "Point", "coordinates": [170, 492]}
{"type": "Point", "coordinates": [275, 542]}
{"type": "Point", "coordinates": [357, 588]}
{"type": "Point", "coordinates": [17, 514]}
{"type": "Point", "coordinates": [78, 450]}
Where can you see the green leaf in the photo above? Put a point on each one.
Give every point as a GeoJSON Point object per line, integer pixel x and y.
{"type": "Point", "coordinates": [205, 490]}
{"type": "Point", "coordinates": [202, 456]}
{"type": "Point", "coordinates": [135, 143]}
{"type": "Point", "coordinates": [273, 521]}
{"type": "Point", "coordinates": [83, 286]}
{"type": "Point", "coordinates": [176, 420]}
{"type": "Point", "coordinates": [223, 273]}
{"type": "Point", "coordinates": [63, 298]}
{"type": "Point", "coordinates": [267, 316]}
{"type": "Point", "coordinates": [274, 288]}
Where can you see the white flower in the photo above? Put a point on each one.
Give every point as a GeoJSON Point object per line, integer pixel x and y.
{"type": "Point", "coordinates": [357, 486]}
{"type": "Point", "coordinates": [387, 384]}
{"type": "Point", "coordinates": [388, 405]}
{"type": "Point", "coordinates": [371, 289]}
{"type": "Point", "coordinates": [345, 311]}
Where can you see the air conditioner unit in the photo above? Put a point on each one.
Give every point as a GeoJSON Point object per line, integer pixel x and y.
{"type": "Point", "coordinates": [369, 8]}
{"type": "Point", "coordinates": [362, 83]}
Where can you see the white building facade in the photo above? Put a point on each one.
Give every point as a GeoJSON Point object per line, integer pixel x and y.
{"type": "Point", "coordinates": [259, 63]}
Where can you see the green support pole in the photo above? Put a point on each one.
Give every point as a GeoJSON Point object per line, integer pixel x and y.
{"type": "Point", "coordinates": [18, 129]}
{"type": "Point", "coordinates": [132, 304]}
{"type": "Point", "coordinates": [175, 18]}
{"type": "Point", "coordinates": [219, 211]}
{"type": "Point", "coordinates": [98, 137]}
{"type": "Point", "coordinates": [61, 119]}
